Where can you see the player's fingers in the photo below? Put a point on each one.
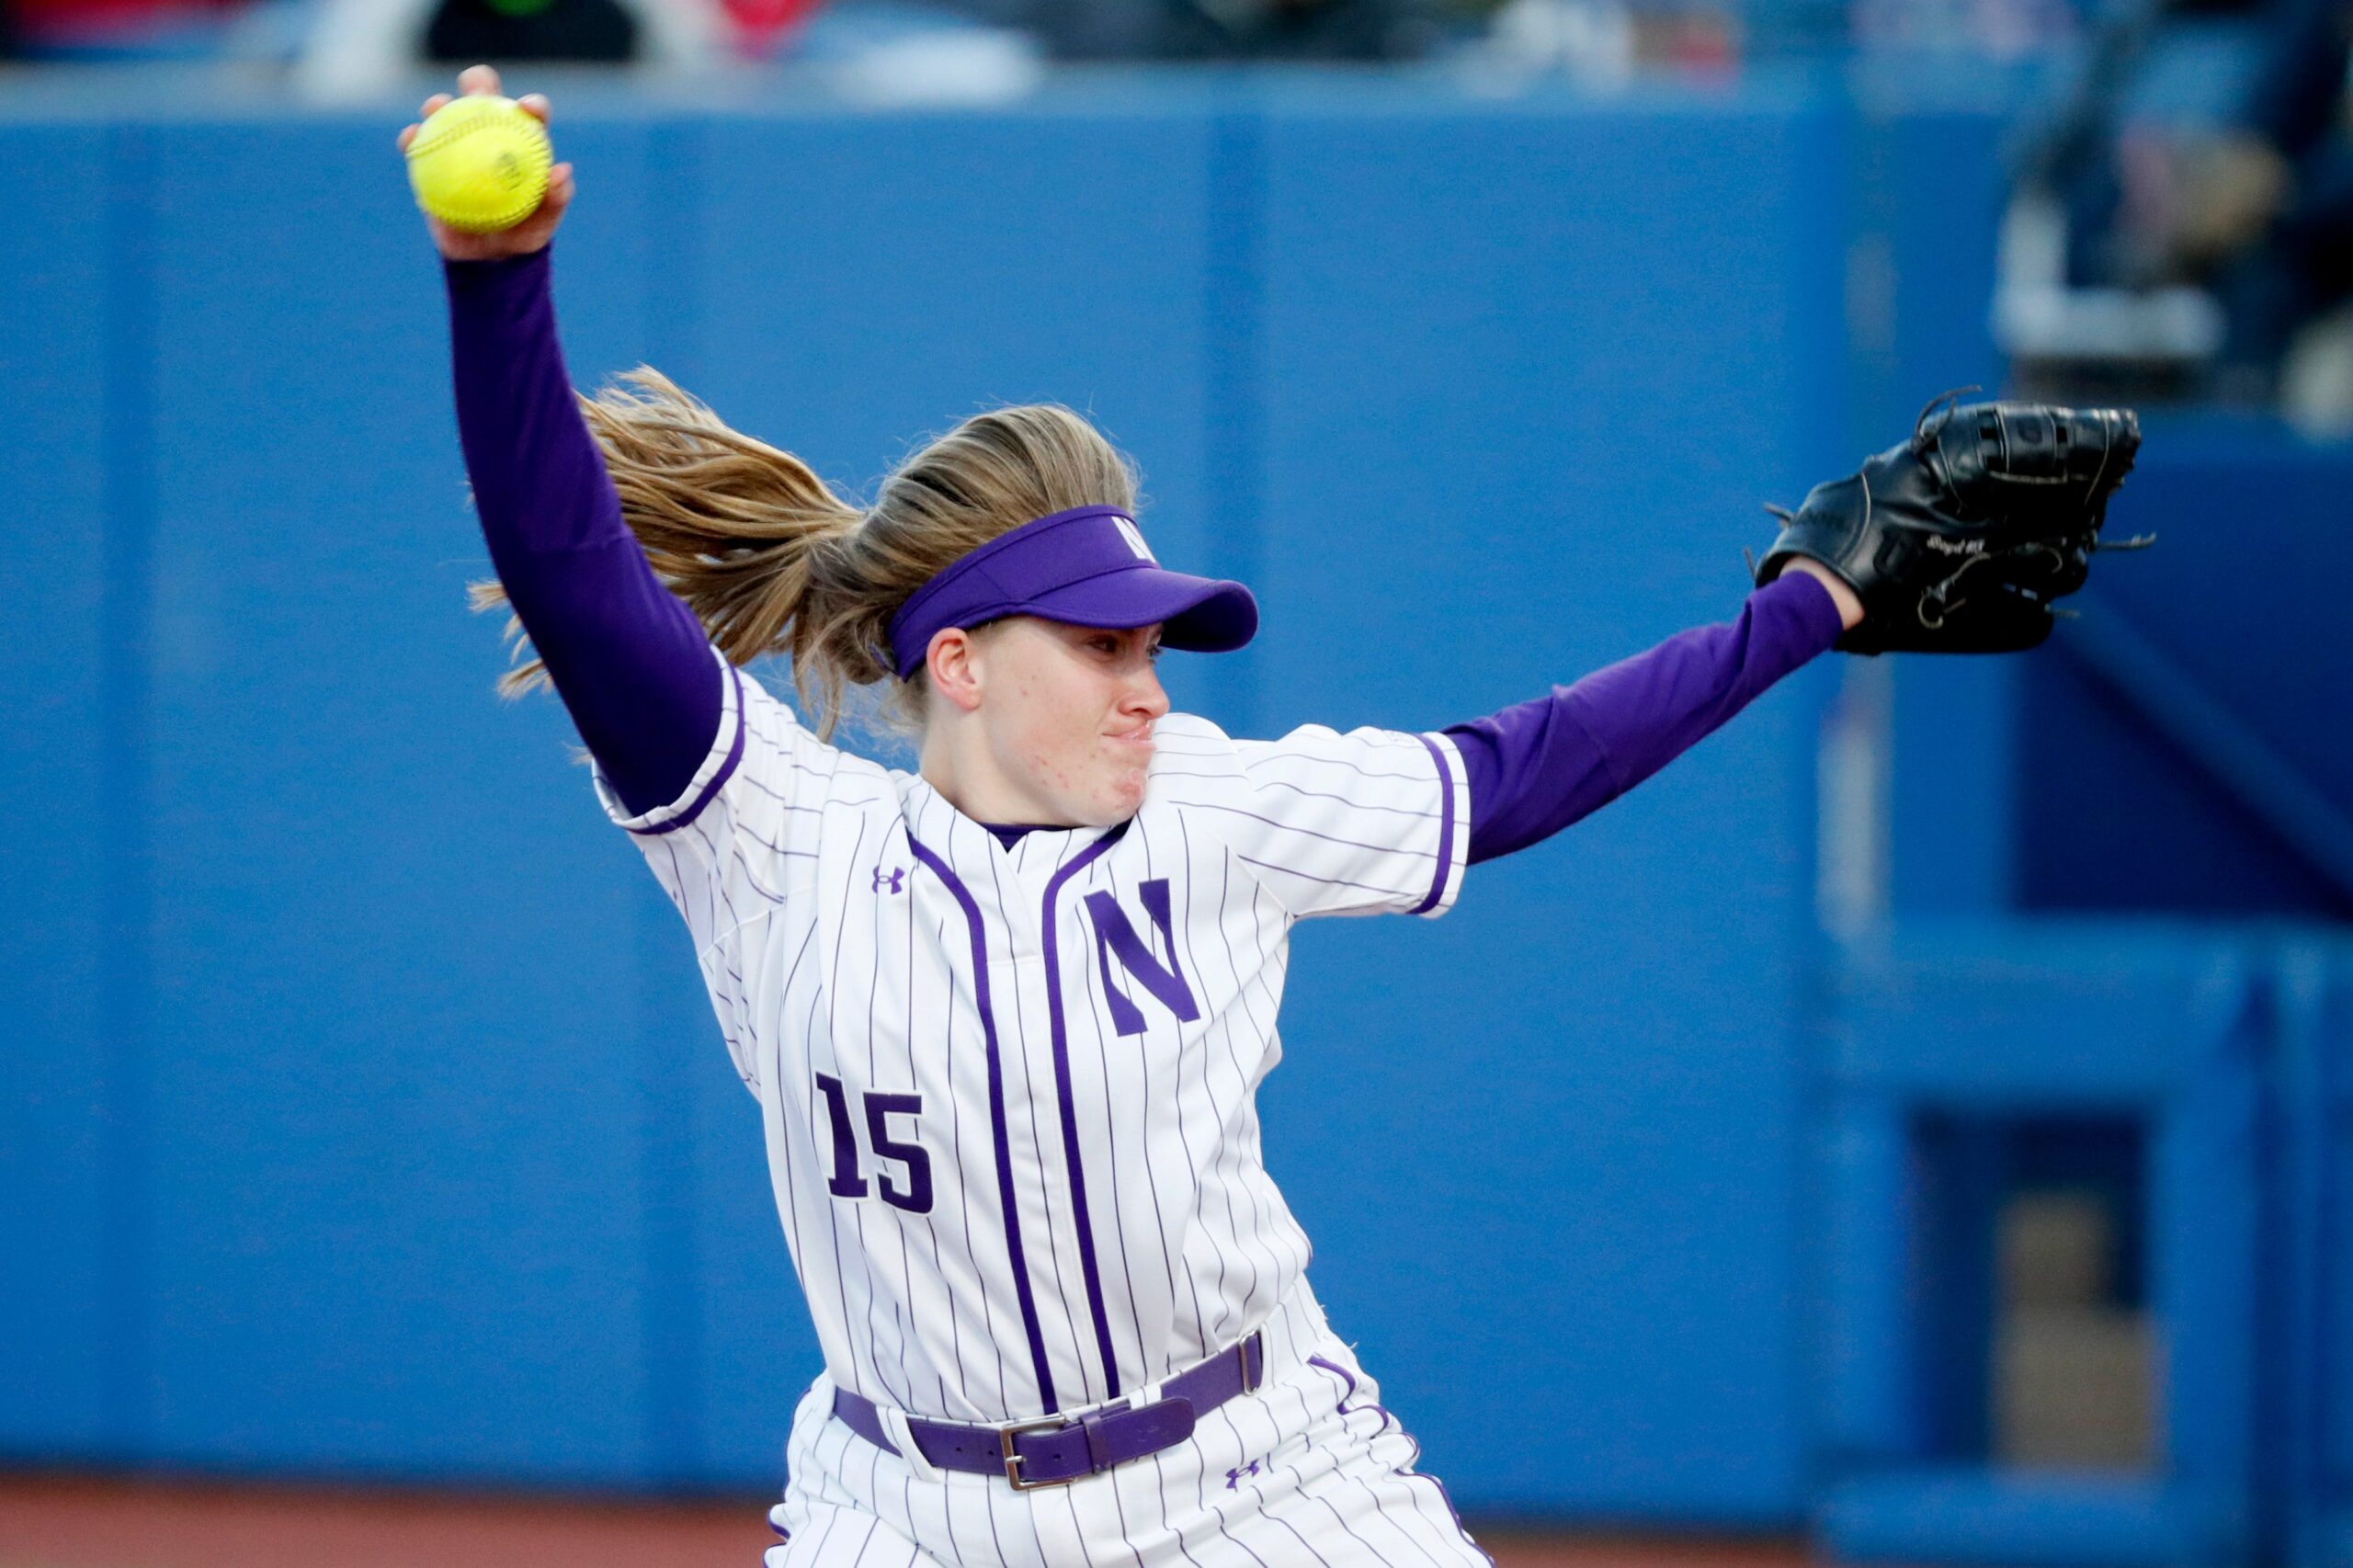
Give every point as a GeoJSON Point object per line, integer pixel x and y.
{"type": "Point", "coordinates": [433, 105]}
{"type": "Point", "coordinates": [408, 134]}
{"type": "Point", "coordinates": [478, 79]}
{"type": "Point", "coordinates": [534, 103]}
{"type": "Point", "coordinates": [560, 190]}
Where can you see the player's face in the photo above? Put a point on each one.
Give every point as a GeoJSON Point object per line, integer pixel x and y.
{"type": "Point", "coordinates": [1068, 712]}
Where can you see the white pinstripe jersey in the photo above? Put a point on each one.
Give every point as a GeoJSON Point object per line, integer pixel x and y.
{"type": "Point", "coordinates": [1008, 1093]}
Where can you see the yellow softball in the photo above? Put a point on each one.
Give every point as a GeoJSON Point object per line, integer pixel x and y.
{"type": "Point", "coordinates": [480, 163]}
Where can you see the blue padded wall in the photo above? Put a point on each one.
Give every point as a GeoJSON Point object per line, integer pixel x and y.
{"type": "Point", "coordinates": [374, 1121]}
{"type": "Point", "coordinates": [58, 1135]}
{"type": "Point", "coordinates": [394, 1202]}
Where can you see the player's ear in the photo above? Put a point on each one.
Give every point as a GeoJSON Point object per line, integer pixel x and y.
{"type": "Point", "coordinates": [950, 661]}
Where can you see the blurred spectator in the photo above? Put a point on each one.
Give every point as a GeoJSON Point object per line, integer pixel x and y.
{"type": "Point", "coordinates": [1298, 30]}
{"type": "Point", "coordinates": [2258, 209]}
{"type": "Point", "coordinates": [2270, 208]}
{"type": "Point", "coordinates": [2186, 226]}
{"type": "Point", "coordinates": [1219, 29]}
{"type": "Point", "coordinates": [760, 25]}
{"type": "Point", "coordinates": [1997, 29]}
{"type": "Point", "coordinates": [364, 49]}
{"type": "Point", "coordinates": [462, 31]}
{"type": "Point", "coordinates": [1592, 42]}
{"type": "Point", "coordinates": [1606, 44]}
{"type": "Point", "coordinates": [109, 27]}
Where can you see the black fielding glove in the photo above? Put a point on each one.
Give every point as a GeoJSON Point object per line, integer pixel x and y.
{"type": "Point", "coordinates": [1957, 541]}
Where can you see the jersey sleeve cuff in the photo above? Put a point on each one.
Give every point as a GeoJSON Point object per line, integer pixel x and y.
{"type": "Point", "coordinates": [717, 766]}
{"type": "Point", "coordinates": [1453, 827]}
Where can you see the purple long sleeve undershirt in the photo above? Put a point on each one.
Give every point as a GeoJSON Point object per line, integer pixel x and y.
{"type": "Point", "coordinates": [1539, 767]}
{"type": "Point", "coordinates": [635, 669]}
{"type": "Point", "coordinates": [626, 654]}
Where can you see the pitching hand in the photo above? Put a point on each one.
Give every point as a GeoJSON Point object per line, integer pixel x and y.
{"type": "Point", "coordinates": [534, 232]}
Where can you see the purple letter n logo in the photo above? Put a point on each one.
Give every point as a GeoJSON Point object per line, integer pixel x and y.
{"type": "Point", "coordinates": [1114, 937]}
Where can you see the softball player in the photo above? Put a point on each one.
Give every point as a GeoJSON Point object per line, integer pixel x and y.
{"type": "Point", "coordinates": [1006, 1016]}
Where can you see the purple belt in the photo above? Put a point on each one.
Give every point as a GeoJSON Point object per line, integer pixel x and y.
{"type": "Point", "coordinates": [1057, 1451]}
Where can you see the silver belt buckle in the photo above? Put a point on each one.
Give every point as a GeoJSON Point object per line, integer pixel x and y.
{"type": "Point", "coordinates": [1013, 1461]}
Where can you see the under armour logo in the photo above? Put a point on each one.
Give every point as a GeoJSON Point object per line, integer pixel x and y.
{"type": "Point", "coordinates": [896, 875]}
{"type": "Point", "coordinates": [1233, 1477]}
{"type": "Point", "coordinates": [1135, 540]}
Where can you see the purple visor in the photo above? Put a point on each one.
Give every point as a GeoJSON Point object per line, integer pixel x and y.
{"type": "Point", "coordinates": [1090, 567]}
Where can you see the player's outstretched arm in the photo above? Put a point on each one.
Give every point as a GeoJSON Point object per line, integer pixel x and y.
{"type": "Point", "coordinates": [1957, 540]}
{"type": "Point", "coordinates": [1537, 767]}
{"type": "Point", "coordinates": [628, 657]}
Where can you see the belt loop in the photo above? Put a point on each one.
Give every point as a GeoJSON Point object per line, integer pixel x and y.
{"type": "Point", "coordinates": [1254, 1361]}
{"type": "Point", "coordinates": [895, 1426]}
{"type": "Point", "coordinates": [1099, 1453]}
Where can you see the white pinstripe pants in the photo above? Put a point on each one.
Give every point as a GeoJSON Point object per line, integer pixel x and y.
{"type": "Point", "coordinates": [1309, 1471]}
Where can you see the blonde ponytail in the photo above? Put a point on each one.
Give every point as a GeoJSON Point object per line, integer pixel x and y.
{"type": "Point", "coordinates": [772, 561]}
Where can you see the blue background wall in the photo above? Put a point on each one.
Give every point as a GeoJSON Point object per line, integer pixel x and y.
{"type": "Point", "coordinates": [377, 1123]}
{"type": "Point", "coordinates": [368, 1115]}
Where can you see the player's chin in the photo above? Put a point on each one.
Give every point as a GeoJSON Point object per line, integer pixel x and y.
{"type": "Point", "coordinates": [1120, 794]}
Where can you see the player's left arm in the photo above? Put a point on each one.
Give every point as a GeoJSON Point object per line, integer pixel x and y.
{"type": "Point", "coordinates": [1536, 768]}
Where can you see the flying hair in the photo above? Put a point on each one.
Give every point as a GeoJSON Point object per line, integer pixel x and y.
{"type": "Point", "coordinates": [772, 561]}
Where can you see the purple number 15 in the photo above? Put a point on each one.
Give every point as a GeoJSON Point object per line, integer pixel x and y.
{"type": "Point", "coordinates": [846, 1181]}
